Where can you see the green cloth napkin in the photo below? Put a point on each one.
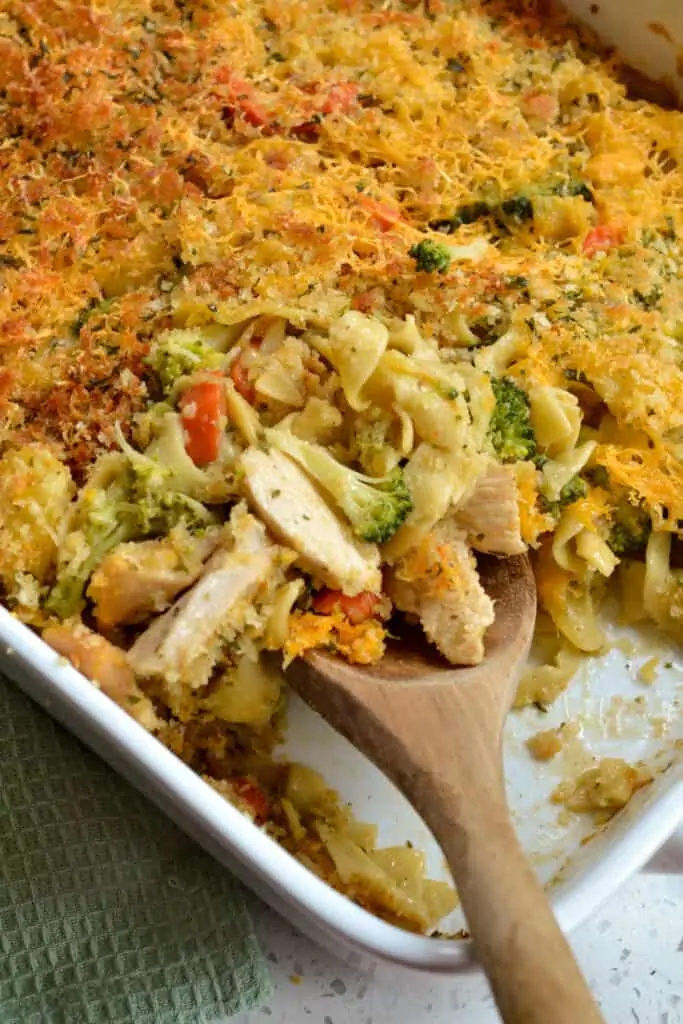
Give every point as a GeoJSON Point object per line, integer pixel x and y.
{"type": "Point", "coordinates": [108, 913]}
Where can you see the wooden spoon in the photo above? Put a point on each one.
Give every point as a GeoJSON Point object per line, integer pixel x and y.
{"type": "Point", "coordinates": [436, 731]}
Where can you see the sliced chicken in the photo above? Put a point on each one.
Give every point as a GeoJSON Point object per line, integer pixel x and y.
{"type": "Point", "coordinates": [300, 517]}
{"type": "Point", "coordinates": [104, 665]}
{"type": "Point", "coordinates": [490, 516]}
{"type": "Point", "coordinates": [438, 582]}
{"type": "Point", "coordinates": [181, 647]}
{"type": "Point", "coordinates": [141, 579]}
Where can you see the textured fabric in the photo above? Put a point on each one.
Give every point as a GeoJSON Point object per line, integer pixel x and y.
{"type": "Point", "coordinates": [108, 913]}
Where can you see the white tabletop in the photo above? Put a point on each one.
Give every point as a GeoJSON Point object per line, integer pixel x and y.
{"type": "Point", "coordinates": [631, 953]}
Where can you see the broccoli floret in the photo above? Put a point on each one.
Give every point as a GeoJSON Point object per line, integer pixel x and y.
{"type": "Point", "coordinates": [518, 209]}
{"type": "Point", "coordinates": [491, 325]}
{"type": "Point", "coordinates": [468, 213]}
{"type": "Point", "coordinates": [573, 490]}
{"type": "Point", "coordinates": [430, 256]}
{"type": "Point", "coordinates": [130, 506]}
{"type": "Point", "coordinates": [104, 519]}
{"type": "Point", "coordinates": [510, 430]}
{"type": "Point", "coordinates": [161, 495]}
{"type": "Point", "coordinates": [574, 187]}
{"type": "Point", "coordinates": [159, 509]}
{"type": "Point", "coordinates": [630, 529]}
{"type": "Point", "coordinates": [648, 300]}
{"type": "Point", "coordinates": [375, 506]}
{"type": "Point", "coordinates": [371, 448]}
{"type": "Point", "coordinates": [178, 353]}
{"type": "Point", "coordinates": [599, 477]}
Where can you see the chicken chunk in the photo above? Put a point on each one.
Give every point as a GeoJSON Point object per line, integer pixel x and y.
{"type": "Point", "coordinates": [105, 665]}
{"type": "Point", "coordinates": [300, 517]}
{"type": "Point", "coordinates": [438, 582]}
{"type": "Point", "coordinates": [142, 578]}
{"type": "Point", "coordinates": [490, 516]}
{"type": "Point", "coordinates": [181, 646]}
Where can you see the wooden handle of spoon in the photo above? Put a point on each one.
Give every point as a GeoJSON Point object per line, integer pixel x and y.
{"type": "Point", "coordinates": [530, 966]}
{"type": "Point", "coordinates": [437, 734]}
{"type": "Point", "coordinates": [440, 744]}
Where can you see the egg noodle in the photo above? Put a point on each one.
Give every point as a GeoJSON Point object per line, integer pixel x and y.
{"type": "Point", "coordinates": [304, 305]}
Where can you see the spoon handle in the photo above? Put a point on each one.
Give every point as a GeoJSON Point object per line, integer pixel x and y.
{"type": "Point", "coordinates": [439, 740]}
{"type": "Point", "coordinates": [441, 746]}
{"type": "Point", "coordinates": [530, 966]}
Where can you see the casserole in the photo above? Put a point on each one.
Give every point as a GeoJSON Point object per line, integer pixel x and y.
{"type": "Point", "coordinates": [451, 956]}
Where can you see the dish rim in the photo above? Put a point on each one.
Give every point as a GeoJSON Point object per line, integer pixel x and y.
{"type": "Point", "coordinates": [265, 865]}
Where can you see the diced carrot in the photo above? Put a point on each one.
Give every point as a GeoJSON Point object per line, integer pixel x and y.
{"type": "Point", "coordinates": [250, 793]}
{"type": "Point", "coordinates": [240, 378]}
{"type": "Point", "coordinates": [365, 302]}
{"type": "Point", "coordinates": [202, 409]}
{"type": "Point", "coordinates": [238, 85]}
{"type": "Point", "coordinates": [541, 105]}
{"type": "Point", "coordinates": [602, 238]}
{"type": "Point", "coordinates": [340, 98]}
{"type": "Point", "coordinates": [385, 215]}
{"type": "Point", "coordinates": [243, 97]}
{"type": "Point", "coordinates": [253, 112]}
{"type": "Point", "coordinates": [365, 605]}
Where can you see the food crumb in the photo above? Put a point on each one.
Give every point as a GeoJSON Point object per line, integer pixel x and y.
{"type": "Point", "coordinates": [295, 979]}
{"type": "Point", "coordinates": [647, 673]}
{"type": "Point", "coordinates": [544, 745]}
{"type": "Point", "coordinates": [606, 788]}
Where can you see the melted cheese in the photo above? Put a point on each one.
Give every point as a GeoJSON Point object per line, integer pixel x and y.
{"type": "Point", "coordinates": [160, 157]}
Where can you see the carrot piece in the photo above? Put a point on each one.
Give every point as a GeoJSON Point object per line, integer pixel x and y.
{"type": "Point", "coordinates": [365, 302]}
{"type": "Point", "coordinates": [240, 378]}
{"type": "Point", "coordinates": [202, 409]}
{"type": "Point", "coordinates": [541, 105]}
{"type": "Point", "coordinates": [602, 238]}
{"type": "Point", "coordinates": [365, 605]}
{"type": "Point", "coordinates": [385, 215]}
{"type": "Point", "coordinates": [243, 97]}
{"type": "Point", "coordinates": [253, 112]}
{"type": "Point", "coordinates": [340, 98]}
{"type": "Point", "coordinates": [251, 794]}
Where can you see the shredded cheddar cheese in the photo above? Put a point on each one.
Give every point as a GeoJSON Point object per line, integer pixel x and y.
{"type": "Point", "coordinates": [261, 150]}
{"type": "Point", "coordinates": [361, 643]}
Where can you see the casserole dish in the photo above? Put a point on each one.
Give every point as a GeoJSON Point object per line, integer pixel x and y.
{"type": "Point", "coordinates": [584, 874]}
{"type": "Point", "coordinates": [613, 710]}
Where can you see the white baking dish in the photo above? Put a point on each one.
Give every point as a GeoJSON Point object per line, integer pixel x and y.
{"type": "Point", "coordinates": [586, 874]}
{"type": "Point", "coordinates": [619, 715]}
{"type": "Point", "coordinates": [648, 35]}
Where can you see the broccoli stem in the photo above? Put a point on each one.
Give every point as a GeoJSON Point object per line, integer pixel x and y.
{"type": "Point", "coordinates": [375, 506]}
